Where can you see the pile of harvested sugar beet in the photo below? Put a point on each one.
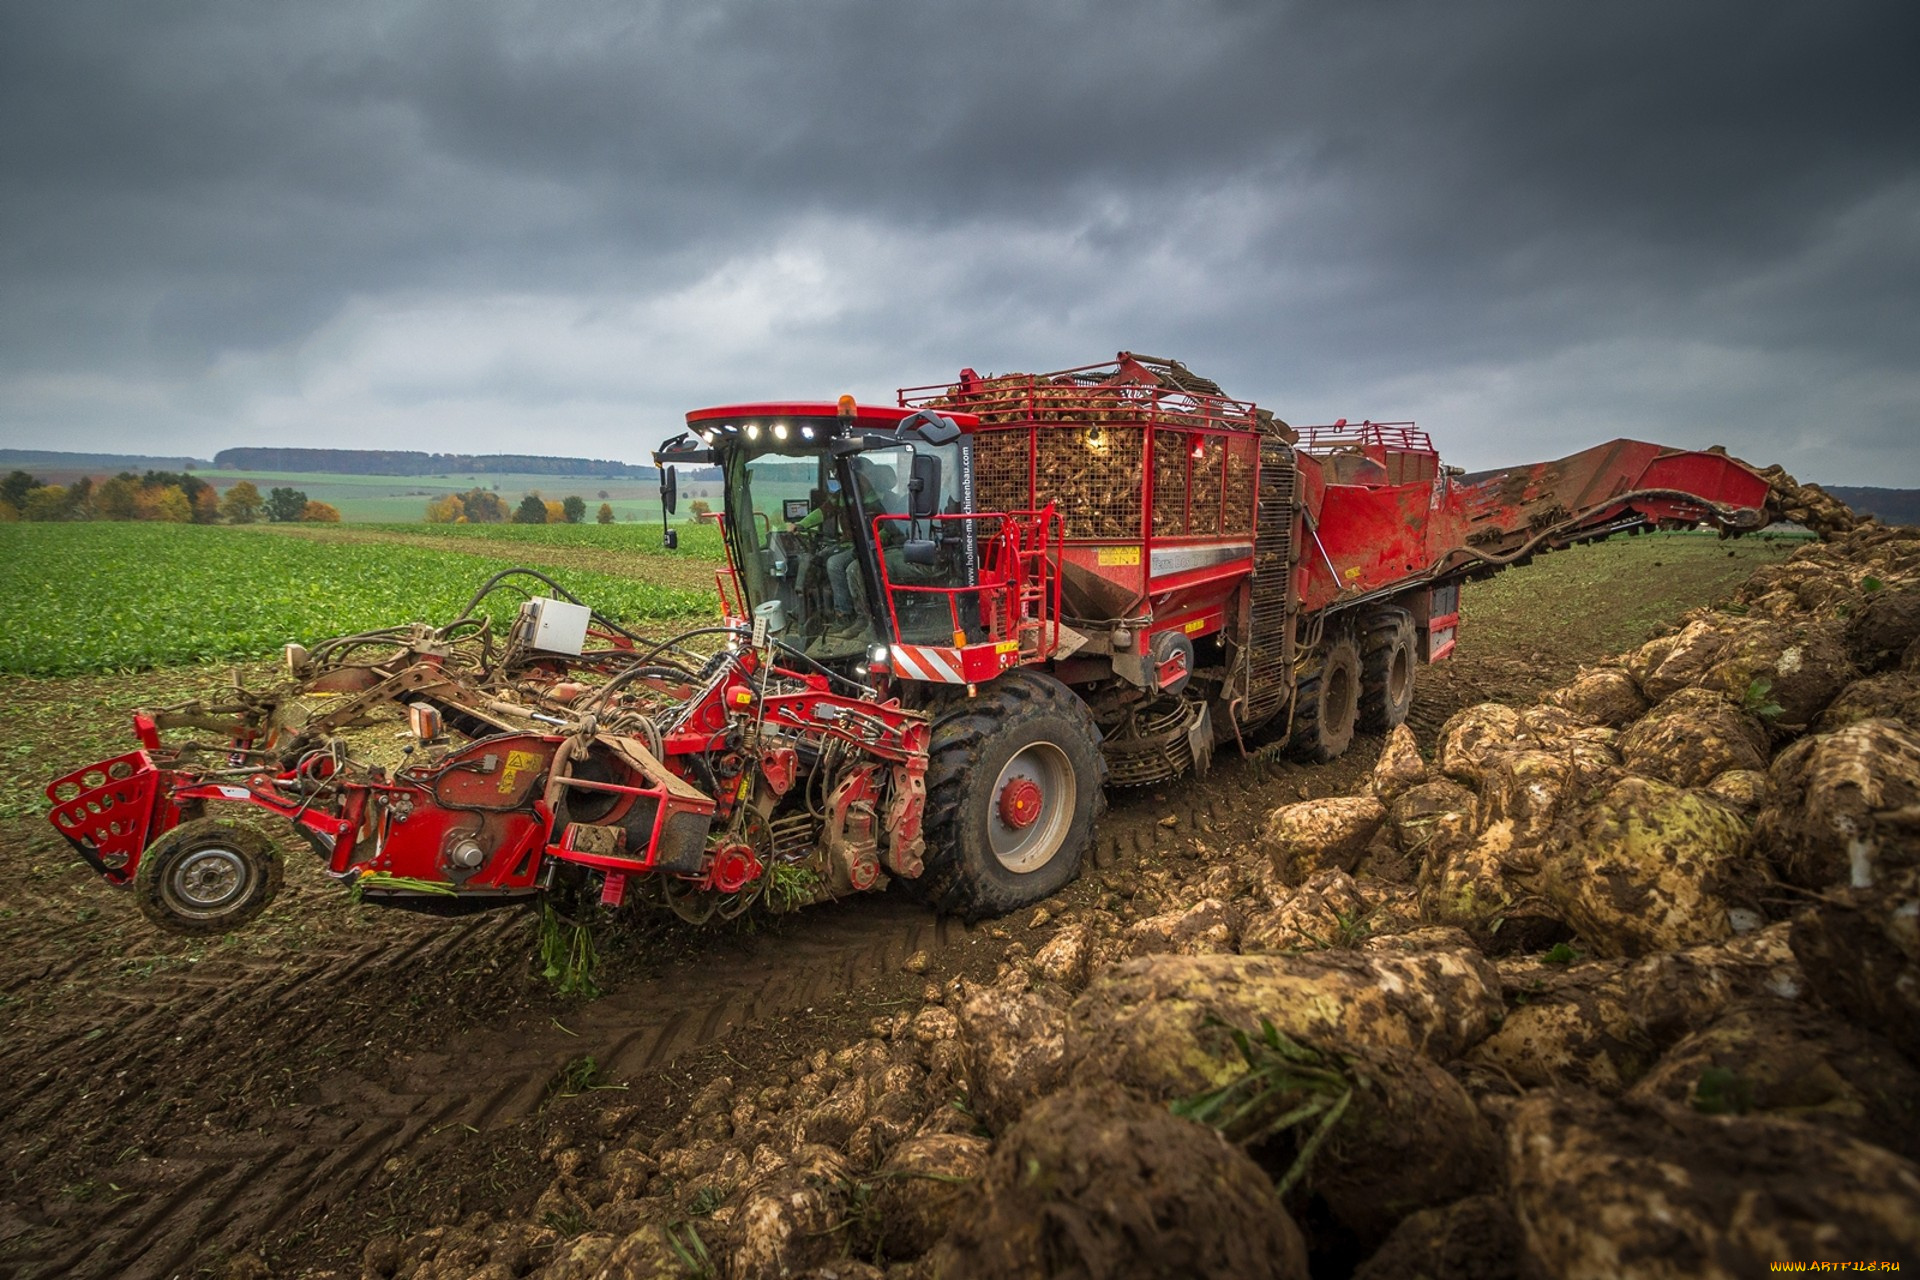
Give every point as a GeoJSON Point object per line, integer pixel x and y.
{"type": "Point", "coordinates": [1623, 983]}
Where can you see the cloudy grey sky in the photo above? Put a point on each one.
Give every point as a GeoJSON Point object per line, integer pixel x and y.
{"type": "Point", "coordinates": [552, 227]}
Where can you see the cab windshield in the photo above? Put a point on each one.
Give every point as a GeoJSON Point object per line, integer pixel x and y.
{"type": "Point", "coordinates": [802, 525]}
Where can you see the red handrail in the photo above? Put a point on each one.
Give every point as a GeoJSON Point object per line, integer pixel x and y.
{"type": "Point", "coordinates": [1019, 577]}
{"type": "Point", "coordinates": [1386, 435]}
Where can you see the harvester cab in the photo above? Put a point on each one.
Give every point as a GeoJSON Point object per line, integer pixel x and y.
{"type": "Point", "coordinates": [850, 532]}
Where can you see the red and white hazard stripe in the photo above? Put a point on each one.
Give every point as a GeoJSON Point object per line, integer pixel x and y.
{"type": "Point", "coordinates": [927, 662]}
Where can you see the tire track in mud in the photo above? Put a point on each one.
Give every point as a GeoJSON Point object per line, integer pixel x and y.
{"type": "Point", "coordinates": [218, 1192]}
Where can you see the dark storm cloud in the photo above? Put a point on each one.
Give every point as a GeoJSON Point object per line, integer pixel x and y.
{"type": "Point", "coordinates": [1522, 223]}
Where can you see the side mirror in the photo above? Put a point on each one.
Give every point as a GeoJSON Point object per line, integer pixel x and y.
{"type": "Point", "coordinates": [923, 490]}
{"type": "Point", "coordinates": [922, 551]}
{"type": "Point", "coordinates": [670, 489]}
{"type": "Point", "coordinates": [931, 427]}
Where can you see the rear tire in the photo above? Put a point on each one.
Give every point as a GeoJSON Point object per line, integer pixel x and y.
{"type": "Point", "coordinates": [1015, 783]}
{"type": "Point", "coordinates": [1327, 703]}
{"type": "Point", "coordinates": [1387, 666]}
{"type": "Point", "coordinates": [211, 875]}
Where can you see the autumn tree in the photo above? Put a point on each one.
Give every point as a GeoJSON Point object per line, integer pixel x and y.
{"type": "Point", "coordinates": [556, 511]}
{"type": "Point", "coordinates": [605, 514]}
{"type": "Point", "coordinates": [203, 504]}
{"type": "Point", "coordinates": [319, 513]}
{"type": "Point", "coordinates": [46, 502]}
{"type": "Point", "coordinates": [241, 505]}
{"type": "Point", "coordinates": [114, 499]}
{"type": "Point", "coordinates": [167, 503]}
{"type": "Point", "coordinates": [446, 510]}
{"type": "Point", "coordinates": [483, 506]}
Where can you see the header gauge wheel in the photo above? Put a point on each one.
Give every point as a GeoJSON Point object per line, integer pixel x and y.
{"type": "Point", "coordinates": [211, 875]}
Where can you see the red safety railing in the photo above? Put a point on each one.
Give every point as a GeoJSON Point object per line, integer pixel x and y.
{"type": "Point", "coordinates": [1019, 578]}
{"type": "Point", "coordinates": [1387, 435]}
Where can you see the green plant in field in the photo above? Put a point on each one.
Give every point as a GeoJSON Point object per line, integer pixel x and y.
{"type": "Point", "coordinates": [1871, 584]}
{"type": "Point", "coordinates": [1561, 953]}
{"type": "Point", "coordinates": [1350, 929]}
{"type": "Point", "coordinates": [1722, 1092]}
{"type": "Point", "coordinates": [690, 1250]}
{"type": "Point", "coordinates": [386, 880]}
{"type": "Point", "coordinates": [1287, 1086]}
{"type": "Point", "coordinates": [705, 1200]}
{"type": "Point", "coordinates": [1757, 701]}
{"type": "Point", "coordinates": [571, 1222]}
{"type": "Point", "coordinates": [577, 1077]}
{"type": "Point", "coordinates": [790, 887]}
{"type": "Point", "coordinates": [567, 954]}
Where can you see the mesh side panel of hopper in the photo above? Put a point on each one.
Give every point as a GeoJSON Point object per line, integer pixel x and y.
{"type": "Point", "coordinates": [1093, 480]}
{"type": "Point", "coordinates": [1169, 483]}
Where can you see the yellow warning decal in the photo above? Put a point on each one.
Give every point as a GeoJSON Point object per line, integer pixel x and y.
{"type": "Point", "coordinates": [1007, 646]}
{"type": "Point", "coordinates": [1110, 556]}
{"type": "Point", "coordinates": [1198, 624]}
{"type": "Point", "coordinates": [516, 761]}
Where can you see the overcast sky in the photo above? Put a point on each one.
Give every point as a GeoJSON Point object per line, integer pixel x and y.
{"type": "Point", "coordinates": [554, 228]}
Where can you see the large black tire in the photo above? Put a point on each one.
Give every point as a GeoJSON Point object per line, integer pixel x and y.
{"type": "Point", "coordinates": [1327, 702]}
{"type": "Point", "coordinates": [1015, 783]}
{"type": "Point", "coordinates": [211, 875]}
{"type": "Point", "coordinates": [1387, 664]}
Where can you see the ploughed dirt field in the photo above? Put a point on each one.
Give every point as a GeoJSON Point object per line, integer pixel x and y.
{"type": "Point", "coordinates": [345, 1089]}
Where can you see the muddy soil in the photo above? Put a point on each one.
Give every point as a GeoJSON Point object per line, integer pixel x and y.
{"type": "Point", "coordinates": [341, 1072]}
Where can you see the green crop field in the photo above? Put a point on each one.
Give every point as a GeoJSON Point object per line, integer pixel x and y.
{"type": "Point", "coordinates": [698, 539]}
{"type": "Point", "coordinates": [120, 597]}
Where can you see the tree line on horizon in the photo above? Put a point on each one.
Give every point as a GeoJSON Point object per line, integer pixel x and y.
{"type": "Point", "coordinates": [413, 462]}
{"type": "Point", "coordinates": [171, 497]}
{"type": "Point", "coordinates": [179, 497]}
